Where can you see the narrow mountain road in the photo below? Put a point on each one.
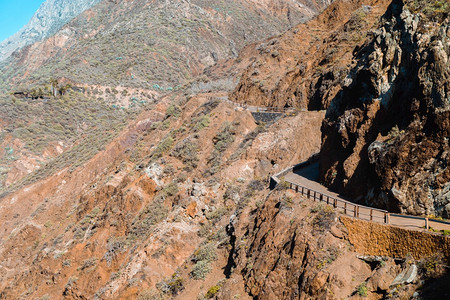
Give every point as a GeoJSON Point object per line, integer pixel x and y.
{"type": "Point", "coordinates": [308, 177]}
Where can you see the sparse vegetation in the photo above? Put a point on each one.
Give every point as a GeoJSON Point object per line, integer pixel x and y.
{"type": "Point", "coordinates": [71, 281]}
{"type": "Point", "coordinates": [434, 10]}
{"type": "Point", "coordinates": [115, 246]}
{"type": "Point", "coordinates": [324, 217]}
{"type": "Point", "coordinates": [151, 215]}
{"type": "Point", "coordinates": [212, 291]}
{"type": "Point", "coordinates": [432, 266]}
{"type": "Point", "coordinates": [150, 295]}
{"type": "Point", "coordinates": [66, 263]}
{"type": "Point", "coordinates": [362, 289]}
{"type": "Point", "coordinates": [186, 151]}
{"type": "Point", "coordinates": [221, 142]}
{"type": "Point", "coordinates": [172, 286]}
{"type": "Point", "coordinates": [88, 263]}
{"type": "Point", "coordinates": [82, 126]}
{"type": "Point", "coordinates": [203, 258]}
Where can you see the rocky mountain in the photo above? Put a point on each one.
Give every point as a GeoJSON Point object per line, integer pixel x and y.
{"type": "Point", "coordinates": [157, 47]}
{"type": "Point", "coordinates": [385, 135]}
{"type": "Point", "coordinates": [48, 19]}
{"type": "Point", "coordinates": [116, 187]}
{"type": "Point", "coordinates": [157, 44]}
{"type": "Point", "coordinates": [306, 66]}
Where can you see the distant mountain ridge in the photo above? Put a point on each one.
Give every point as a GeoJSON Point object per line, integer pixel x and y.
{"type": "Point", "coordinates": [149, 44]}
{"type": "Point", "coordinates": [48, 19]}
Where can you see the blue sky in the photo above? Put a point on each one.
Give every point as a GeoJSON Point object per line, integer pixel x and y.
{"type": "Point", "coordinates": [14, 14]}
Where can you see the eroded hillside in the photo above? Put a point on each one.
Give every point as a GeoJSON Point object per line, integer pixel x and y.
{"type": "Point", "coordinates": [120, 55]}
{"type": "Point", "coordinates": [132, 215]}
{"type": "Point", "coordinates": [156, 44]}
{"type": "Point", "coordinates": [173, 203]}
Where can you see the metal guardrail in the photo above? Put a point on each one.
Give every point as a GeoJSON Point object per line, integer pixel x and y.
{"type": "Point", "coordinates": [345, 206]}
{"type": "Point", "coordinates": [349, 208]}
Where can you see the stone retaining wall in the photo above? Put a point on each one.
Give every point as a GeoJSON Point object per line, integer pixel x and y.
{"type": "Point", "coordinates": [371, 238]}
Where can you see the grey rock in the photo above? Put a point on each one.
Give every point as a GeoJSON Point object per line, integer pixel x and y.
{"type": "Point", "coordinates": [48, 19]}
{"type": "Point", "coordinates": [408, 275]}
{"type": "Point", "coordinates": [198, 189]}
{"type": "Point", "coordinates": [154, 171]}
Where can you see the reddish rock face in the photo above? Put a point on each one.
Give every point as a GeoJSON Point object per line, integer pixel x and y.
{"type": "Point", "coordinates": [385, 135]}
{"type": "Point", "coordinates": [306, 66]}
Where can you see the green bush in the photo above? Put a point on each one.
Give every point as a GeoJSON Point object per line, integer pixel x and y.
{"type": "Point", "coordinates": [200, 270]}
{"type": "Point", "coordinates": [170, 189]}
{"type": "Point", "coordinates": [164, 146]}
{"type": "Point", "coordinates": [434, 10]}
{"type": "Point", "coordinates": [203, 258]}
{"type": "Point", "coordinates": [205, 253]}
{"type": "Point", "coordinates": [202, 124]}
{"type": "Point", "coordinates": [362, 289]}
{"type": "Point", "coordinates": [212, 291]}
{"type": "Point", "coordinates": [187, 151]}
{"type": "Point", "coordinates": [173, 285]}
{"type": "Point", "coordinates": [173, 111]}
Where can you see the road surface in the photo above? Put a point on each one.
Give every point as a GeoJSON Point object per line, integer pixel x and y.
{"type": "Point", "coordinates": [308, 177]}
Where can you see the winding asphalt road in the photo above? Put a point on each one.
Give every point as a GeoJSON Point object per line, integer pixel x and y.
{"type": "Point", "coordinates": [308, 177]}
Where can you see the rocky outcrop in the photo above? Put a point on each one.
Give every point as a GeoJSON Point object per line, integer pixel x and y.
{"type": "Point", "coordinates": [385, 135]}
{"type": "Point", "coordinates": [294, 248]}
{"type": "Point", "coordinates": [50, 17]}
{"type": "Point", "coordinates": [306, 66]}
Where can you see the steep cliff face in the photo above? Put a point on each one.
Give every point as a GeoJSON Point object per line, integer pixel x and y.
{"type": "Point", "coordinates": [50, 17]}
{"type": "Point", "coordinates": [385, 135]}
{"type": "Point", "coordinates": [306, 66]}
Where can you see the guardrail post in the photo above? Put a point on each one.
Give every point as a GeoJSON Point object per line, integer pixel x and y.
{"type": "Point", "coordinates": [296, 188]}
{"type": "Point", "coordinates": [314, 195]}
{"type": "Point", "coordinates": [427, 224]}
{"type": "Point", "coordinates": [303, 190]}
{"type": "Point", "coordinates": [321, 197]}
{"type": "Point", "coordinates": [307, 194]}
{"type": "Point", "coordinates": [345, 208]}
{"type": "Point", "coordinates": [387, 218]}
{"type": "Point", "coordinates": [355, 212]}
{"type": "Point", "coordinates": [371, 214]}
{"type": "Point", "coordinates": [290, 186]}
{"type": "Point", "coordinates": [335, 203]}
{"type": "Point", "coordinates": [328, 200]}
